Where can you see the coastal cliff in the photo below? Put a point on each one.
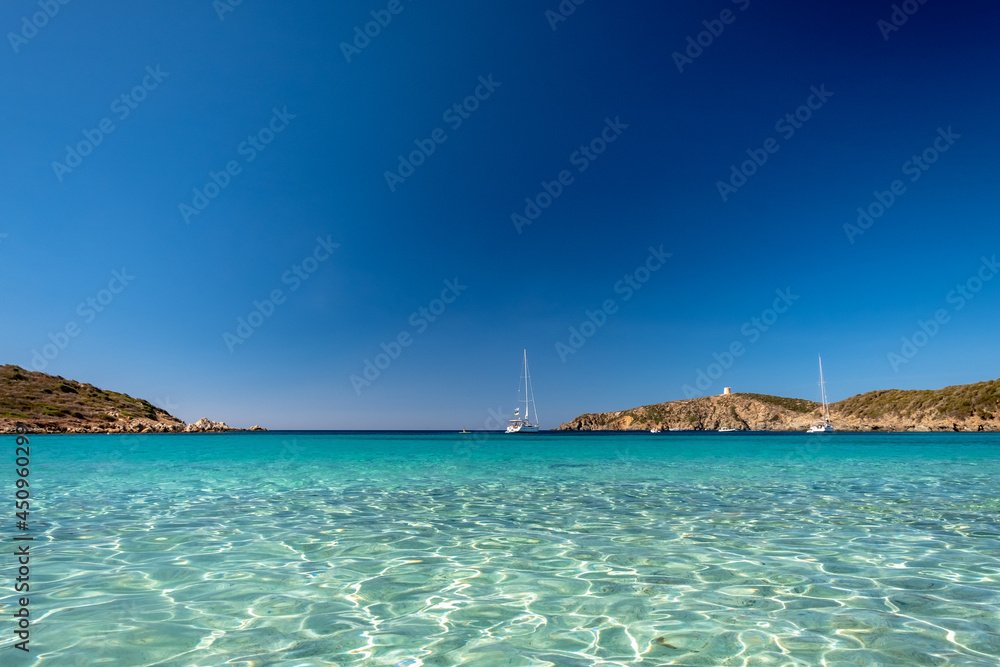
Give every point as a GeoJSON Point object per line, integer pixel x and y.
{"type": "Point", "coordinates": [971, 407]}
{"type": "Point", "coordinates": [52, 404]}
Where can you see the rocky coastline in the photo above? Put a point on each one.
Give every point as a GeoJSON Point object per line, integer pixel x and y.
{"type": "Point", "coordinates": [41, 403]}
{"type": "Point", "coordinates": [123, 425]}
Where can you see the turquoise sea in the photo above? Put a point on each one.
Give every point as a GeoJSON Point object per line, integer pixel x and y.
{"type": "Point", "coordinates": [409, 549]}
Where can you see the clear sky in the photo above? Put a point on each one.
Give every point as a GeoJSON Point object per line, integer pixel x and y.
{"type": "Point", "coordinates": [217, 155]}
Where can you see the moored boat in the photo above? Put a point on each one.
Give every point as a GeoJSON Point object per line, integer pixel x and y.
{"type": "Point", "coordinates": [823, 425]}
{"type": "Point", "coordinates": [523, 424]}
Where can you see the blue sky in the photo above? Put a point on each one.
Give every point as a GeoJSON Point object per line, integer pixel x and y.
{"type": "Point", "coordinates": [249, 159]}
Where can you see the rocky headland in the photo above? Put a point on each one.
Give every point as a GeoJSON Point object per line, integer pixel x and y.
{"type": "Point", "coordinates": [970, 407]}
{"type": "Point", "coordinates": [52, 404]}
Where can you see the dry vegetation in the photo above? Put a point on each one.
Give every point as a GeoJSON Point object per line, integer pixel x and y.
{"type": "Point", "coordinates": [52, 402]}
{"type": "Point", "coordinates": [959, 402]}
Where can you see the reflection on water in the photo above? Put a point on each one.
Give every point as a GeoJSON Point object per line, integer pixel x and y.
{"type": "Point", "coordinates": [551, 550]}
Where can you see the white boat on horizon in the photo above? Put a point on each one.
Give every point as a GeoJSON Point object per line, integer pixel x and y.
{"type": "Point", "coordinates": [727, 430]}
{"type": "Point", "coordinates": [654, 430]}
{"type": "Point", "coordinates": [523, 424]}
{"type": "Point", "coordinates": [823, 425]}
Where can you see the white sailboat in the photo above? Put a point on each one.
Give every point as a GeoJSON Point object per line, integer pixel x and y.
{"type": "Point", "coordinates": [523, 424]}
{"type": "Point", "coordinates": [823, 425]}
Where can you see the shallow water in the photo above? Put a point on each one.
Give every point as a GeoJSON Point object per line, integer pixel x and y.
{"type": "Point", "coordinates": [549, 549]}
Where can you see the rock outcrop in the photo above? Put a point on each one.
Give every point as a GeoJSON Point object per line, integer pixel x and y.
{"type": "Point", "coordinates": [709, 413]}
{"type": "Point", "coordinates": [205, 424]}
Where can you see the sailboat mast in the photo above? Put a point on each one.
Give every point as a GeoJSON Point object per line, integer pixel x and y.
{"type": "Point", "coordinates": [526, 384]}
{"type": "Point", "coordinates": [822, 388]}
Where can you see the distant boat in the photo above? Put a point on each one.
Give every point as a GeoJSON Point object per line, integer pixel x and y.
{"type": "Point", "coordinates": [727, 430]}
{"type": "Point", "coordinates": [654, 430]}
{"type": "Point", "coordinates": [523, 424]}
{"type": "Point", "coordinates": [823, 425]}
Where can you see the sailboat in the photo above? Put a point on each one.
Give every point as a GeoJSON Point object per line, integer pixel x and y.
{"type": "Point", "coordinates": [823, 425]}
{"type": "Point", "coordinates": [522, 423]}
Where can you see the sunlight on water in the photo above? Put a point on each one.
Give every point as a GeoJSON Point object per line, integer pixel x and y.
{"type": "Point", "coordinates": [551, 549]}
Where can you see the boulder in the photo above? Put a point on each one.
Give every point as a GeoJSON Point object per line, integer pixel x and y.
{"type": "Point", "coordinates": [204, 424]}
